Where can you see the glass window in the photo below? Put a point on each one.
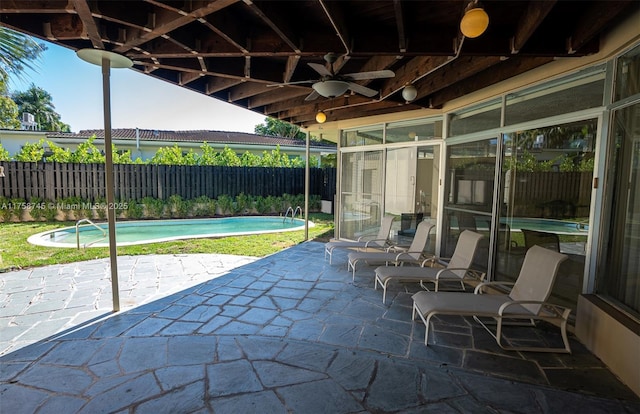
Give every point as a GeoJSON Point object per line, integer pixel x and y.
{"type": "Point", "coordinates": [546, 196]}
{"type": "Point", "coordinates": [411, 190]}
{"type": "Point", "coordinates": [361, 194]}
{"type": "Point", "coordinates": [619, 277]}
{"type": "Point", "coordinates": [582, 92]}
{"type": "Point", "coordinates": [413, 131]}
{"type": "Point", "coordinates": [479, 118]}
{"type": "Point", "coordinates": [469, 183]}
{"type": "Point", "coordinates": [364, 136]}
{"type": "Point", "coordinates": [628, 75]}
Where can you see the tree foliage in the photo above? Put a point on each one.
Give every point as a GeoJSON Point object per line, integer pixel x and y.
{"type": "Point", "coordinates": [4, 154]}
{"type": "Point", "coordinates": [276, 128]}
{"type": "Point", "coordinates": [17, 52]}
{"type": "Point", "coordinates": [39, 103]}
{"type": "Point", "coordinates": [8, 113]}
{"type": "Point", "coordinates": [88, 152]}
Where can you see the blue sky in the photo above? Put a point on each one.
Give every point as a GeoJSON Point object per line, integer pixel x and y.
{"type": "Point", "coordinates": [137, 100]}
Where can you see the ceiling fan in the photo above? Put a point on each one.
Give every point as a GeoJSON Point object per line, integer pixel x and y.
{"type": "Point", "coordinates": [331, 85]}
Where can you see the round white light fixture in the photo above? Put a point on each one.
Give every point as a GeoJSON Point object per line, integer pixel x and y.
{"type": "Point", "coordinates": [321, 117]}
{"type": "Point", "coordinates": [95, 57]}
{"type": "Point", "coordinates": [409, 93]}
{"type": "Point", "coordinates": [331, 88]}
{"type": "Point", "coordinates": [474, 22]}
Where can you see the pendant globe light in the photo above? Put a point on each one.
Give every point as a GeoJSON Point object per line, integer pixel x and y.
{"type": "Point", "coordinates": [475, 20]}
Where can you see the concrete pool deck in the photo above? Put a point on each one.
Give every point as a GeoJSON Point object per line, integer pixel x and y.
{"type": "Point", "coordinates": [285, 333]}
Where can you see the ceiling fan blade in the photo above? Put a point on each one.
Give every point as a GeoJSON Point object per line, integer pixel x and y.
{"type": "Point", "coordinates": [313, 95]}
{"type": "Point", "coordinates": [321, 69]}
{"type": "Point", "coordinates": [292, 83]}
{"type": "Point", "coordinates": [375, 74]}
{"type": "Point", "coordinates": [362, 90]}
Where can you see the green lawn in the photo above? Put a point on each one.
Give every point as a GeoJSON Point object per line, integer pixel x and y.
{"type": "Point", "coordinates": [17, 253]}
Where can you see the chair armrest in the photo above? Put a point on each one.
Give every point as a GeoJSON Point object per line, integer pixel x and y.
{"type": "Point", "coordinates": [555, 311]}
{"type": "Point", "coordinates": [409, 258]}
{"type": "Point", "coordinates": [480, 288]}
{"type": "Point", "coordinates": [386, 241]}
{"type": "Point", "coordinates": [475, 274]}
{"type": "Point", "coordinates": [434, 259]}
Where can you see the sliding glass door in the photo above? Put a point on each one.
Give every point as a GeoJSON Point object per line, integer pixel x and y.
{"type": "Point", "coordinates": [361, 193]}
{"type": "Point", "coordinates": [468, 203]}
{"type": "Point", "coordinates": [545, 200]}
{"type": "Point", "coordinates": [411, 190]}
{"type": "Point", "coordinates": [619, 273]}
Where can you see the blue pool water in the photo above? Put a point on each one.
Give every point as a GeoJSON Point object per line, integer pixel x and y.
{"type": "Point", "coordinates": [153, 231]}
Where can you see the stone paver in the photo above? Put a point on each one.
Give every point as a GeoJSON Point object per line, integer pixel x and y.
{"type": "Point", "coordinates": [288, 333]}
{"type": "Point", "coordinates": [44, 301]}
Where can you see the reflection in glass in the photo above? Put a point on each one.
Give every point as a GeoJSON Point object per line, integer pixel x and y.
{"type": "Point", "coordinates": [567, 95]}
{"type": "Point", "coordinates": [469, 183]}
{"type": "Point", "coordinates": [619, 277]}
{"type": "Point", "coordinates": [411, 189]}
{"type": "Point", "coordinates": [479, 118]}
{"type": "Point", "coordinates": [361, 194]}
{"type": "Point", "coordinates": [628, 74]}
{"type": "Point", "coordinates": [413, 131]}
{"type": "Point", "coordinates": [545, 200]}
{"type": "Point", "coordinates": [364, 136]}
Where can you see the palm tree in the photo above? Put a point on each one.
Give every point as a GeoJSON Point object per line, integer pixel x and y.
{"type": "Point", "coordinates": [39, 102]}
{"type": "Point", "coordinates": [17, 51]}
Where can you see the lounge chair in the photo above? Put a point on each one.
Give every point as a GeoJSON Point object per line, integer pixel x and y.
{"type": "Point", "coordinates": [395, 254]}
{"type": "Point", "coordinates": [381, 241]}
{"type": "Point", "coordinates": [541, 238]}
{"type": "Point", "coordinates": [457, 269]}
{"type": "Point", "coordinates": [527, 300]}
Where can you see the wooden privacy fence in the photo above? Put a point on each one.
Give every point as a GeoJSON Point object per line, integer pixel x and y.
{"type": "Point", "coordinates": [54, 181]}
{"type": "Point", "coordinates": [553, 194]}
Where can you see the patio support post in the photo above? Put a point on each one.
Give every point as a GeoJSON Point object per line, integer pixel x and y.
{"type": "Point", "coordinates": [306, 189]}
{"type": "Point", "coordinates": [108, 154]}
{"type": "Point", "coordinates": [107, 60]}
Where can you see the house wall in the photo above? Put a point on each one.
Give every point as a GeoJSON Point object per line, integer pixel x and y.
{"type": "Point", "coordinates": [613, 337]}
{"type": "Point", "coordinates": [13, 140]}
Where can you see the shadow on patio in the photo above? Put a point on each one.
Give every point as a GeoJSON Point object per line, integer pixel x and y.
{"type": "Point", "coordinates": [291, 333]}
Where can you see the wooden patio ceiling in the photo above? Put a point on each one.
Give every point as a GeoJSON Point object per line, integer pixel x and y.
{"type": "Point", "coordinates": [236, 50]}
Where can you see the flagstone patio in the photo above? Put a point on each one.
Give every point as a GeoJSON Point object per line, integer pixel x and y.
{"type": "Point", "coordinates": [285, 333]}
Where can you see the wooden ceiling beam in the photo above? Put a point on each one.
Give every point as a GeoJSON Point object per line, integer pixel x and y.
{"type": "Point", "coordinates": [65, 26]}
{"type": "Point", "coordinates": [246, 90]}
{"type": "Point", "coordinates": [276, 94]}
{"type": "Point", "coordinates": [454, 72]}
{"type": "Point", "coordinates": [277, 22]}
{"type": "Point", "coordinates": [292, 64]}
{"type": "Point", "coordinates": [188, 77]}
{"type": "Point", "coordinates": [90, 26]}
{"type": "Point", "coordinates": [592, 21]}
{"type": "Point", "coordinates": [505, 70]}
{"type": "Point", "coordinates": [402, 37]}
{"type": "Point", "coordinates": [217, 84]}
{"type": "Point", "coordinates": [414, 69]}
{"type": "Point", "coordinates": [174, 23]}
{"type": "Point", "coordinates": [529, 22]}
{"type": "Point", "coordinates": [333, 11]}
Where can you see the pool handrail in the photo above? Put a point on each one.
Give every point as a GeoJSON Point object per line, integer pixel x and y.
{"type": "Point", "coordinates": [86, 220]}
{"type": "Point", "coordinates": [287, 213]}
{"type": "Point", "coordinates": [295, 211]}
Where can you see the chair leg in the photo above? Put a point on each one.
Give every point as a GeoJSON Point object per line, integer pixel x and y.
{"type": "Point", "coordinates": [498, 335]}
{"type": "Point", "coordinates": [425, 321]}
{"type": "Point", "coordinates": [352, 265]}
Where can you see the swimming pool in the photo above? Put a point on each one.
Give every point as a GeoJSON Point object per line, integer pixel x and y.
{"type": "Point", "coordinates": [153, 231]}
